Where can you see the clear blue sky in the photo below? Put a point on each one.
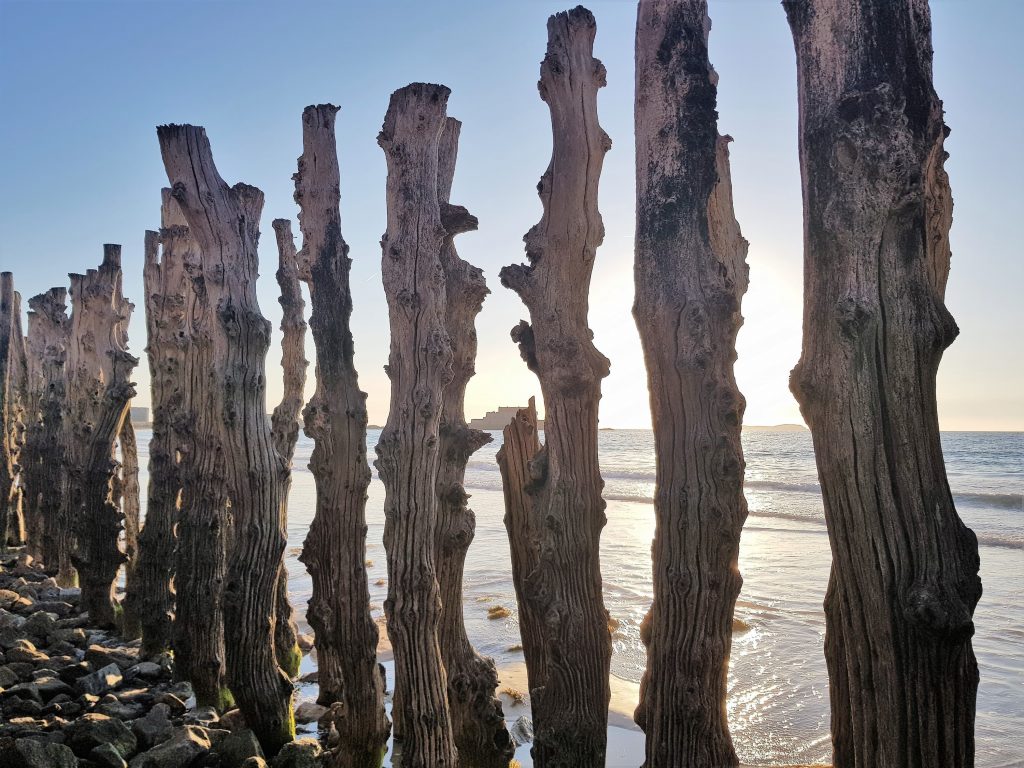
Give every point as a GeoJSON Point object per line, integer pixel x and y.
{"type": "Point", "coordinates": [83, 84]}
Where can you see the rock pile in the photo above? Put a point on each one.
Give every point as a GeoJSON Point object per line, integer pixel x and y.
{"type": "Point", "coordinates": [75, 697]}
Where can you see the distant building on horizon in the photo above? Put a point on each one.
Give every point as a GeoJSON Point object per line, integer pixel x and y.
{"type": "Point", "coordinates": [499, 419]}
{"type": "Point", "coordinates": [139, 414]}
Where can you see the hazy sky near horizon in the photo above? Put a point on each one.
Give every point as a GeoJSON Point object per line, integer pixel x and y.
{"type": "Point", "coordinates": [84, 83]}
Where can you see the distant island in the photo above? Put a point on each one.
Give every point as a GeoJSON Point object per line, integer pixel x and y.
{"type": "Point", "coordinates": [776, 427]}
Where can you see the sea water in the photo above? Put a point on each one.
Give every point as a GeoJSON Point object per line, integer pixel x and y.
{"type": "Point", "coordinates": [778, 685]}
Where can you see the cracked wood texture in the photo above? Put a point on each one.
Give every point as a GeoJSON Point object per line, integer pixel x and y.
{"type": "Point", "coordinates": [199, 480]}
{"type": "Point", "coordinates": [570, 694]}
{"type": "Point", "coordinates": [99, 392]}
{"type": "Point", "coordinates": [149, 596]}
{"type": "Point", "coordinates": [335, 419]}
{"type": "Point", "coordinates": [48, 337]}
{"type": "Point", "coordinates": [130, 508]}
{"type": "Point", "coordinates": [13, 413]}
{"type": "Point", "coordinates": [477, 720]}
{"type": "Point", "coordinates": [32, 457]}
{"type": "Point", "coordinates": [284, 422]}
{"type": "Point", "coordinates": [691, 275]}
{"type": "Point", "coordinates": [877, 211]}
{"type": "Point", "coordinates": [419, 366]}
{"type": "Point", "coordinates": [225, 224]}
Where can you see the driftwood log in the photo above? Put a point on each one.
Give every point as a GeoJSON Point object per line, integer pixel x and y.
{"type": "Point", "coordinates": [149, 596]}
{"type": "Point", "coordinates": [562, 589]}
{"type": "Point", "coordinates": [192, 412]}
{"type": "Point", "coordinates": [335, 419]}
{"type": "Point", "coordinates": [99, 392]}
{"type": "Point", "coordinates": [225, 224]}
{"type": "Point", "coordinates": [691, 275]}
{"type": "Point", "coordinates": [48, 335]}
{"type": "Point", "coordinates": [13, 412]}
{"type": "Point", "coordinates": [128, 481]}
{"type": "Point", "coordinates": [477, 720]}
{"type": "Point", "coordinates": [284, 422]}
{"type": "Point", "coordinates": [419, 367]}
{"type": "Point", "coordinates": [877, 212]}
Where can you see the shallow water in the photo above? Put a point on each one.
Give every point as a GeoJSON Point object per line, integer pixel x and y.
{"type": "Point", "coordinates": [778, 686]}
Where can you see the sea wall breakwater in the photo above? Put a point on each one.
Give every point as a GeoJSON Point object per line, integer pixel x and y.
{"type": "Point", "coordinates": [73, 696]}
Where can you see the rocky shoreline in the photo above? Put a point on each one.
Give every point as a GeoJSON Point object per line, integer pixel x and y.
{"type": "Point", "coordinates": [74, 696]}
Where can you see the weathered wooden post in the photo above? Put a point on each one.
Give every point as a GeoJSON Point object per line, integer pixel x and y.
{"type": "Point", "coordinates": [419, 367]}
{"type": "Point", "coordinates": [48, 329]}
{"type": "Point", "coordinates": [570, 688]}
{"type": "Point", "coordinates": [99, 391]}
{"type": "Point", "coordinates": [691, 275]}
{"type": "Point", "coordinates": [225, 224]}
{"type": "Point", "coordinates": [335, 418]}
{"type": "Point", "coordinates": [477, 720]}
{"type": "Point", "coordinates": [285, 423]}
{"type": "Point", "coordinates": [13, 404]}
{"type": "Point", "coordinates": [192, 410]}
{"type": "Point", "coordinates": [149, 596]}
{"type": "Point", "coordinates": [877, 212]}
{"type": "Point", "coordinates": [128, 481]}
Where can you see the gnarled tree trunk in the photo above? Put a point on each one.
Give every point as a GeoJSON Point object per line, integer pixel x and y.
{"type": "Point", "coordinates": [570, 694]}
{"type": "Point", "coordinates": [877, 212]}
{"type": "Point", "coordinates": [335, 418]}
{"type": "Point", "coordinates": [690, 279]}
{"type": "Point", "coordinates": [477, 720]}
{"type": "Point", "coordinates": [48, 329]}
{"type": "Point", "coordinates": [130, 508]}
{"type": "Point", "coordinates": [149, 596]}
{"type": "Point", "coordinates": [99, 392]}
{"type": "Point", "coordinates": [192, 409]}
{"type": "Point", "coordinates": [285, 424]}
{"type": "Point", "coordinates": [13, 414]}
{"type": "Point", "coordinates": [225, 223]}
{"type": "Point", "coordinates": [419, 367]}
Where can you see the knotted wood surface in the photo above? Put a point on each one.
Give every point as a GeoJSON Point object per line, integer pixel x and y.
{"type": "Point", "coordinates": [99, 392]}
{"type": "Point", "coordinates": [149, 596]}
{"type": "Point", "coordinates": [419, 366]}
{"type": "Point", "coordinates": [284, 422]}
{"type": "Point", "coordinates": [877, 210]}
{"type": "Point", "coordinates": [48, 336]}
{"type": "Point", "coordinates": [690, 278]}
{"type": "Point", "coordinates": [14, 403]}
{"type": "Point", "coordinates": [335, 418]}
{"type": "Point", "coordinates": [562, 590]}
{"type": "Point", "coordinates": [225, 224]}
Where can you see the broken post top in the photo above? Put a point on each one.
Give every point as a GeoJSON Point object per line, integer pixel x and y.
{"type": "Point", "coordinates": [561, 247]}
{"type": "Point", "coordinates": [415, 111]}
{"type": "Point", "coordinates": [224, 220]}
{"type": "Point", "coordinates": [318, 192]}
{"type": "Point", "coordinates": [99, 323]}
{"type": "Point", "coordinates": [50, 305]}
{"type": "Point", "coordinates": [409, 137]}
{"type": "Point", "coordinates": [455, 218]}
